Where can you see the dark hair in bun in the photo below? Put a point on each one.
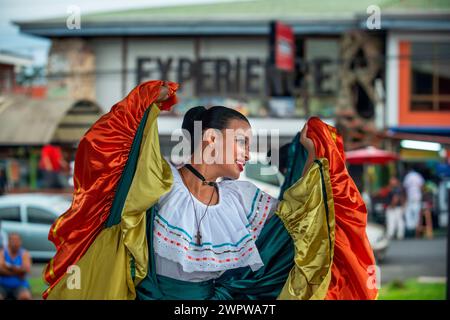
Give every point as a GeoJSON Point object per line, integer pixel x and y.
{"type": "Point", "coordinates": [217, 117]}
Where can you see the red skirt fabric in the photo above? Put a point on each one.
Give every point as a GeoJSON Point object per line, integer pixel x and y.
{"type": "Point", "coordinates": [99, 163]}
{"type": "Point", "coordinates": [353, 269]}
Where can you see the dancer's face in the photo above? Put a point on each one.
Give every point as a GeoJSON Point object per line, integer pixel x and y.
{"type": "Point", "coordinates": [233, 146]}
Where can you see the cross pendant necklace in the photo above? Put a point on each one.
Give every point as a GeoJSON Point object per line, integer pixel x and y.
{"type": "Point", "coordinates": [198, 235]}
{"type": "Point", "coordinates": [199, 238]}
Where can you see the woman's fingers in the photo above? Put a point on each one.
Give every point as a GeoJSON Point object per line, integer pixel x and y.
{"type": "Point", "coordinates": [303, 133]}
{"type": "Point", "coordinates": [305, 141]}
{"type": "Point", "coordinates": [163, 93]}
{"type": "Point", "coordinates": [303, 137]}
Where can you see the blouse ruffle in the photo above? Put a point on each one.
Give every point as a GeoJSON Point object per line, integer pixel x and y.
{"type": "Point", "coordinates": [228, 230]}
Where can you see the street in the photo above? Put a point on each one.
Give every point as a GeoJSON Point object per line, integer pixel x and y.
{"type": "Point", "coordinates": [414, 258]}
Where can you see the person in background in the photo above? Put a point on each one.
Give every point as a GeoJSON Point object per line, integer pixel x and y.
{"type": "Point", "coordinates": [413, 183]}
{"type": "Point", "coordinates": [15, 264]}
{"type": "Point", "coordinates": [51, 165]}
{"type": "Point", "coordinates": [395, 210]}
{"type": "Point", "coordinates": [3, 182]}
{"type": "Point", "coordinates": [426, 212]}
{"type": "Point", "coordinates": [14, 174]}
{"type": "Point", "coordinates": [367, 200]}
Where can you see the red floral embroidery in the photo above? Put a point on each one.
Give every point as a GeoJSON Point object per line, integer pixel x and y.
{"type": "Point", "coordinates": [204, 258]}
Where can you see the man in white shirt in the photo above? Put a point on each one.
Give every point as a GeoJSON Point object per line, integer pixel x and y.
{"type": "Point", "coordinates": [413, 183]}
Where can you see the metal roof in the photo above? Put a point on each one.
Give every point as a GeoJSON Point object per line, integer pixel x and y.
{"type": "Point", "coordinates": [16, 59]}
{"type": "Point", "coordinates": [249, 18]}
{"type": "Point", "coordinates": [186, 28]}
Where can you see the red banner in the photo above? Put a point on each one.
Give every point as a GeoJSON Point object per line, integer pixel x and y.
{"type": "Point", "coordinates": [284, 47]}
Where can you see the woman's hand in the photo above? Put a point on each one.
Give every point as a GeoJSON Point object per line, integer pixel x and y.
{"type": "Point", "coordinates": [307, 142]}
{"type": "Point", "coordinates": [309, 146]}
{"type": "Point", "coordinates": [164, 93]}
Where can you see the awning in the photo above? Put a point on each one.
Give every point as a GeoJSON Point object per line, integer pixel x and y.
{"type": "Point", "coordinates": [432, 131]}
{"type": "Point", "coordinates": [438, 135]}
{"type": "Point", "coordinates": [370, 155]}
{"type": "Point", "coordinates": [419, 134]}
{"type": "Point", "coordinates": [34, 122]}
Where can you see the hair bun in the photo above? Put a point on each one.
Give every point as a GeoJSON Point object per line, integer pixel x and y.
{"type": "Point", "coordinates": [216, 117]}
{"type": "Point", "coordinates": [193, 114]}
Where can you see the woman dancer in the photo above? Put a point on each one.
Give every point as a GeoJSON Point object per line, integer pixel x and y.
{"type": "Point", "coordinates": [141, 228]}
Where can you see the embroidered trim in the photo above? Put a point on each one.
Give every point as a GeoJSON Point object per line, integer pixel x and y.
{"type": "Point", "coordinates": [256, 212]}
{"type": "Point", "coordinates": [192, 263]}
{"type": "Point", "coordinates": [178, 244]}
{"type": "Point", "coordinates": [253, 204]}
{"type": "Point", "coordinates": [204, 243]}
{"type": "Point", "coordinates": [158, 233]}
{"type": "Point", "coordinates": [266, 208]}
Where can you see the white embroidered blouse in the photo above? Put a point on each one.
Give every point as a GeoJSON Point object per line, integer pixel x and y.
{"type": "Point", "coordinates": [229, 230]}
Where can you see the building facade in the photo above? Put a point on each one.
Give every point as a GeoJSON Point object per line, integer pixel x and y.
{"type": "Point", "coordinates": [379, 71]}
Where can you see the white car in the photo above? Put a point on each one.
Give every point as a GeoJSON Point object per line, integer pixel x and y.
{"type": "Point", "coordinates": [31, 215]}
{"type": "Point", "coordinates": [264, 176]}
{"type": "Point", "coordinates": [378, 240]}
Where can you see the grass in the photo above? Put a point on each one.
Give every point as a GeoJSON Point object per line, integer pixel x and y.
{"type": "Point", "coordinates": [412, 290]}
{"type": "Point", "coordinates": [396, 290]}
{"type": "Point", "coordinates": [38, 286]}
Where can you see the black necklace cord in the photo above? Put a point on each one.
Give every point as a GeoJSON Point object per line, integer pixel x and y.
{"type": "Point", "coordinates": [200, 176]}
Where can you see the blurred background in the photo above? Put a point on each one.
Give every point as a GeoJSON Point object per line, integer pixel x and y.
{"type": "Point", "coordinates": [378, 70]}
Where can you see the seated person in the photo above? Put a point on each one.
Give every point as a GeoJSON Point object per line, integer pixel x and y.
{"type": "Point", "coordinates": [15, 264]}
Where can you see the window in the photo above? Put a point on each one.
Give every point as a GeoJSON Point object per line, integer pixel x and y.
{"type": "Point", "coordinates": [323, 57]}
{"type": "Point", "coordinates": [38, 215]}
{"type": "Point", "coordinates": [430, 76]}
{"type": "Point", "coordinates": [10, 214]}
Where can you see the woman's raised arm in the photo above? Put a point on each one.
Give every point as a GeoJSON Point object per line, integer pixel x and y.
{"type": "Point", "coordinates": [105, 164]}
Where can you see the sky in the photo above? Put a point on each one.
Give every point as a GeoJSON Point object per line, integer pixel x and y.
{"type": "Point", "coordinates": [37, 48]}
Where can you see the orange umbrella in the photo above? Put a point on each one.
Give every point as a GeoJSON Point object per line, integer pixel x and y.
{"type": "Point", "coordinates": [370, 155]}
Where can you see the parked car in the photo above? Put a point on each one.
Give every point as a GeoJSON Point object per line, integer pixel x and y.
{"type": "Point", "coordinates": [31, 215]}
{"type": "Point", "coordinates": [266, 177]}
{"type": "Point", "coordinates": [378, 240]}
{"type": "Point", "coordinates": [271, 183]}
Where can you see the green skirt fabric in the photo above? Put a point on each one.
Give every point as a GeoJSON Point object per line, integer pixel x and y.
{"type": "Point", "coordinates": [275, 247]}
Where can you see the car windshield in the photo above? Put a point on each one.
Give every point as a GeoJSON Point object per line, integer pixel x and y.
{"type": "Point", "coordinates": [263, 172]}
{"type": "Point", "coordinates": [61, 206]}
